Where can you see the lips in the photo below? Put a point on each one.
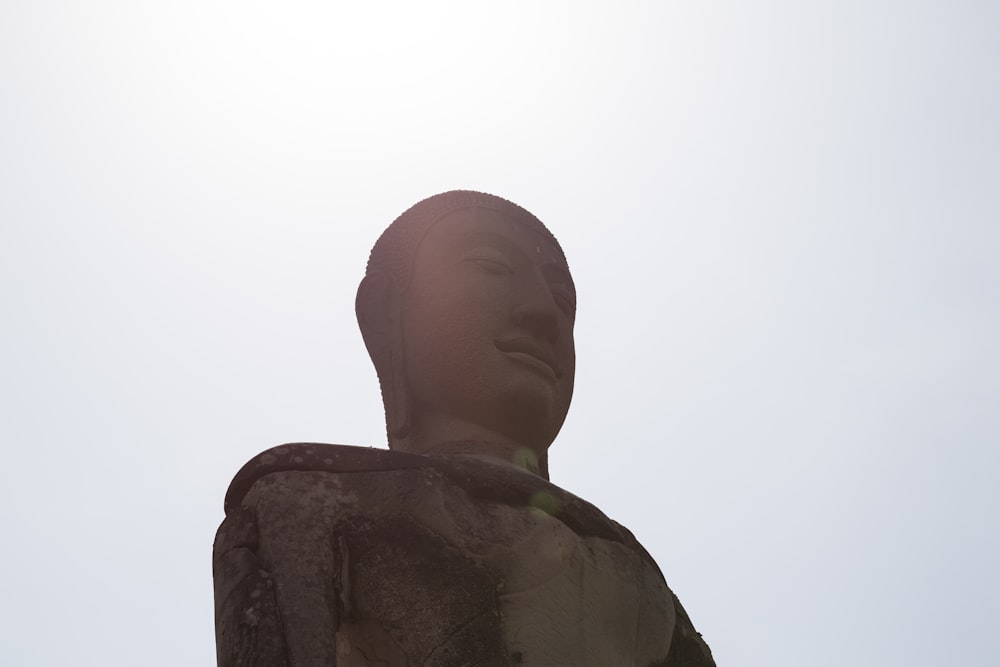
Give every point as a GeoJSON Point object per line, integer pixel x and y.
{"type": "Point", "coordinates": [529, 352]}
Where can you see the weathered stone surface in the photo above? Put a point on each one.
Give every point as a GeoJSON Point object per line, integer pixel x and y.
{"type": "Point", "coordinates": [449, 561]}
{"type": "Point", "coordinates": [248, 626]}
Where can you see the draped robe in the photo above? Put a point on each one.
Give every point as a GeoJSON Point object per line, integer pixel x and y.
{"type": "Point", "coordinates": [351, 556]}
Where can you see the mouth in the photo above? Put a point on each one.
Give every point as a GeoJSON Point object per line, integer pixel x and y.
{"type": "Point", "coordinates": [530, 353]}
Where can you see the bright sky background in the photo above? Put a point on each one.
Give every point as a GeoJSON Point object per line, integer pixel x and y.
{"type": "Point", "coordinates": [783, 219]}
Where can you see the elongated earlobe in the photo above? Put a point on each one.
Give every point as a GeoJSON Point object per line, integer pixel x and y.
{"type": "Point", "coordinates": [378, 309]}
{"type": "Point", "coordinates": [397, 407]}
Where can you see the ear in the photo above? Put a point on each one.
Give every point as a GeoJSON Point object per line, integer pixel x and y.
{"type": "Point", "coordinates": [377, 306]}
{"type": "Point", "coordinates": [374, 307]}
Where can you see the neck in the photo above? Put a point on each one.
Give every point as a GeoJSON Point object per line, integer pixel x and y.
{"type": "Point", "coordinates": [444, 435]}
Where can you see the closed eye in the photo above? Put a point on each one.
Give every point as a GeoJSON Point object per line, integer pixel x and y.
{"type": "Point", "coordinates": [490, 260]}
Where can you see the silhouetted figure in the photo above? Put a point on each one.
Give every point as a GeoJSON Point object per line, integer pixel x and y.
{"type": "Point", "coordinates": [452, 548]}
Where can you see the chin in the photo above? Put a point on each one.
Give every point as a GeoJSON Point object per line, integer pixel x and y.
{"type": "Point", "coordinates": [533, 418]}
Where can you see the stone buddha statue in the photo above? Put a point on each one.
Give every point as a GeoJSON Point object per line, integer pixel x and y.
{"type": "Point", "coordinates": [452, 548]}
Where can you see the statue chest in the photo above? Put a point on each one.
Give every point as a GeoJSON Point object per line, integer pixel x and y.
{"type": "Point", "coordinates": [408, 569]}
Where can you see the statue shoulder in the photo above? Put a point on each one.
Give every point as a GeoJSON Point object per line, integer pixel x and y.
{"type": "Point", "coordinates": [310, 457]}
{"type": "Point", "coordinates": [687, 647]}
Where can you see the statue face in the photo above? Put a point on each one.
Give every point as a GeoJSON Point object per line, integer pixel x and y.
{"type": "Point", "coordinates": [488, 327]}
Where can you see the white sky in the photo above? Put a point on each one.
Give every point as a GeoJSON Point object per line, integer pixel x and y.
{"type": "Point", "coordinates": [783, 219]}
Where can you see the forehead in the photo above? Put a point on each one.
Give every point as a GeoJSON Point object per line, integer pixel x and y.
{"type": "Point", "coordinates": [471, 227]}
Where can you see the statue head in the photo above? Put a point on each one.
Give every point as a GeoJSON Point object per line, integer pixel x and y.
{"type": "Point", "coordinates": [467, 309]}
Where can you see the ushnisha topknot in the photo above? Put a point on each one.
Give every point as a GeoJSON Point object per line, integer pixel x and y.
{"type": "Point", "coordinates": [395, 251]}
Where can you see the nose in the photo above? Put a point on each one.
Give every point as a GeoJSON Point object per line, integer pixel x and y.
{"type": "Point", "coordinates": [536, 311]}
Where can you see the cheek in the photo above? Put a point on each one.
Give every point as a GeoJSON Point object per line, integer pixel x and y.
{"type": "Point", "coordinates": [435, 327]}
{"type": "Point", "coordinates": [462, 311]}
{"type": "Point", "coordinates": [449, 340]}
